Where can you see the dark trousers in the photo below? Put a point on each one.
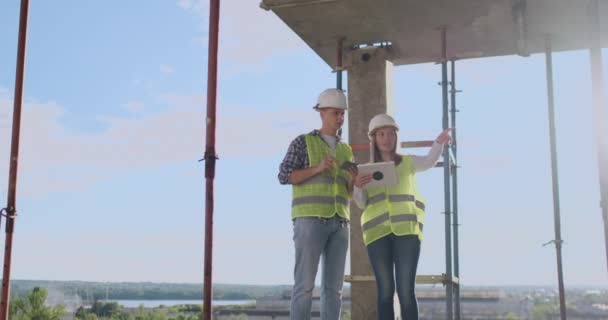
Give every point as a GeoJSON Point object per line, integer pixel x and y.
{"type": "Point", "coordinates": [394, 260]}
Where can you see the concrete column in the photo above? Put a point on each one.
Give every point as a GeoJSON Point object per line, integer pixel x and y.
{"type": "Point", "coordinates": [368, 94]}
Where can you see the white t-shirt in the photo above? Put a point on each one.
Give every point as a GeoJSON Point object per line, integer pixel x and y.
{"type": "Point", "coordinates": [331, 141]}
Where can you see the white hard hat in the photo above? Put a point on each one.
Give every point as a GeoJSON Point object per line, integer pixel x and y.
{"type": "Point", "coordinates": [380, 121]}
{"type": "Point", "coordinates": [331, 98]}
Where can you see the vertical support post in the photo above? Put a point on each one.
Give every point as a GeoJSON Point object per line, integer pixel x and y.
{"type": "Point", "coordinates": [210, 154]}
{"type": "Point", "coordinates": [455, 224]}
{"type": "Point", "coordinates": [14, 160]}
{"type": "Point", "coordinates": [554, 177]}
{"type": "Point", "coordinates": [599, 102]}
{"type": "Point", "coordinates": [339, 64]}
{"type": "Point", "coordinates": [369, 79]}
{"type": "Point", "coordinates": [446, 177]}
{"type": "Point", "coordinates": [339, 70]}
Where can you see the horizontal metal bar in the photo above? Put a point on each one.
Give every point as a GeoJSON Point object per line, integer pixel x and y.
{"type": "Point", "coordinates": [360, 146]}
{"type": "Point", "coordinates": [428, 143]}
{"type": "Point", "coordinates": [267, 7]}
{"type": "Point", "coordinates": [436, 279]}
{"type": "Point", "coordinates": [350, 278]}
{"type": "Point", "coordinates": [404, 144]}
{"type": "Point", "coordinates": [420, 279]}
{"type": "Point", "coordinates": [417, 144]}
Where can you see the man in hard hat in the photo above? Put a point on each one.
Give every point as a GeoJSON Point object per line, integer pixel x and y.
{"type": "Point", "coordinates": [316, 165]}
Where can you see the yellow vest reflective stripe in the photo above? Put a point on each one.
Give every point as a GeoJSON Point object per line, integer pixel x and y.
{"type": "Point", "coordinates": [325, 194]}
{"type": "Point", "coordinates": [398, 209]}
{"type": "Point", "coordinates": [396, 198]}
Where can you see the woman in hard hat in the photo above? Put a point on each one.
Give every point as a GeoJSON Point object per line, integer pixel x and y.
{"type": "Point", "coordinates": [393, 217]}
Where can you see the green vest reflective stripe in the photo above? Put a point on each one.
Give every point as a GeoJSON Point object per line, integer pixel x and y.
{"type": "Point", "coordinates": [325, 194]}
{"type": "Point", "coordinates": [398, 209]}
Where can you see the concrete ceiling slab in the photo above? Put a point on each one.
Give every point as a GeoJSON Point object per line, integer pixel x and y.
{"type": "Point", "coordinates": [475, 28]}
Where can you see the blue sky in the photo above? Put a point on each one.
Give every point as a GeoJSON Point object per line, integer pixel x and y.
{"type": "Point", "coordinates": [110, 187]}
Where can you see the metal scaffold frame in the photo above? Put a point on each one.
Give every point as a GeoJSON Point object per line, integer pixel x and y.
{"type": "Point", "coordinates": [451, 278]}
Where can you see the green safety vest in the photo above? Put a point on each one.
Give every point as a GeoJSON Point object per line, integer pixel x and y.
{"type": "Point", "coordinates": [325, 194]}
{"type": "Point", "coordinates": [397, 209]}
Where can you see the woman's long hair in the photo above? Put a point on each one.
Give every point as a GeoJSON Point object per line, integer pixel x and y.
{"type": "Point", "coordinates": [375, 155]}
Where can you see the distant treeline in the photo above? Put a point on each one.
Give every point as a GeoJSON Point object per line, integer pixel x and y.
{"type": "Point", "coordinates": [92, 291]}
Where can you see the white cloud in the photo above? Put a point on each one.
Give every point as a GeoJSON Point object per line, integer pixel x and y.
{"type": "Point", "coordinates": [261, 251]}
{"type": "Point", "coordinates": [184, 4]}
{"type": "Point", "coordinates": [166, 69]}
{"type": "Point", "coordinates": [4, 116]}
{"type": "Point", "coordinates": [200, 40]}
{"type": "Point", "coordinates": [53, 157]}
{"type": "Point", "coordinates": [248, 34]}
{"type": "Point", "coordinates": [5, 137]}
{"type": "Point", "coordinates": [188, 101]}
{"type": "Point", "coordinates": [74, 263]}
{"type": "Point", "coordinates": [195, 5]}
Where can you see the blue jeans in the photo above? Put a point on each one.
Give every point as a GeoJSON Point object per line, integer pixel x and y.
{"type": "Point", "coordinates": [317, 238]}
{"type": "Point", "coordinates": [402, 252]}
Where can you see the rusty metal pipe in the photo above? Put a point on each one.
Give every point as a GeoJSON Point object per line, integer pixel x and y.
{"type": "Point", "coordinates": [339, 64]}
{"type": "Point", "coordinates": [14, 160]}
{"type": "Point", "coordinates": [210, 154]}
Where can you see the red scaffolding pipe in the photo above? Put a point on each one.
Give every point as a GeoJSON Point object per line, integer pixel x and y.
{"type": "Point", "coordinates": [339, 63]}
{"type": "Point", "coordinates": [210, 154]}
{"type": "Point", "coordinates": [12, 179]}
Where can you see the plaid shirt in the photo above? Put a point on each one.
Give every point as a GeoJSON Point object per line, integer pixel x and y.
{"type": "Point", "coordinates": [296, 157]}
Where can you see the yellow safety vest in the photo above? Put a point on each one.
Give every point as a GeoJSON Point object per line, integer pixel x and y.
{"type": "Point", "coordinates": [398, 209]}
{"type": "Point", "coordinates": [325, 194]}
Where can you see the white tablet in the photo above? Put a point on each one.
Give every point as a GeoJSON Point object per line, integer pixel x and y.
{"type": "Point", "coordinates": [384, 174]}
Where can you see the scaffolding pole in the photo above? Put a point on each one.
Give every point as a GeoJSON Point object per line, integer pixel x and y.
{"type": "Point", "coordinates": [446, 177]}
{"type": "Point", "coordinates": [339, 64]}
{"type": "Point", "coordinates": [210, 154]}
{"type": "Point", "coordinates": [556, 209]}
{"type": "Point", "coordinates": [455, 225]}
{"type": "Point", "coordinates": [14, 160]}
{"type": "Point", "coordinates": [601, 132]}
